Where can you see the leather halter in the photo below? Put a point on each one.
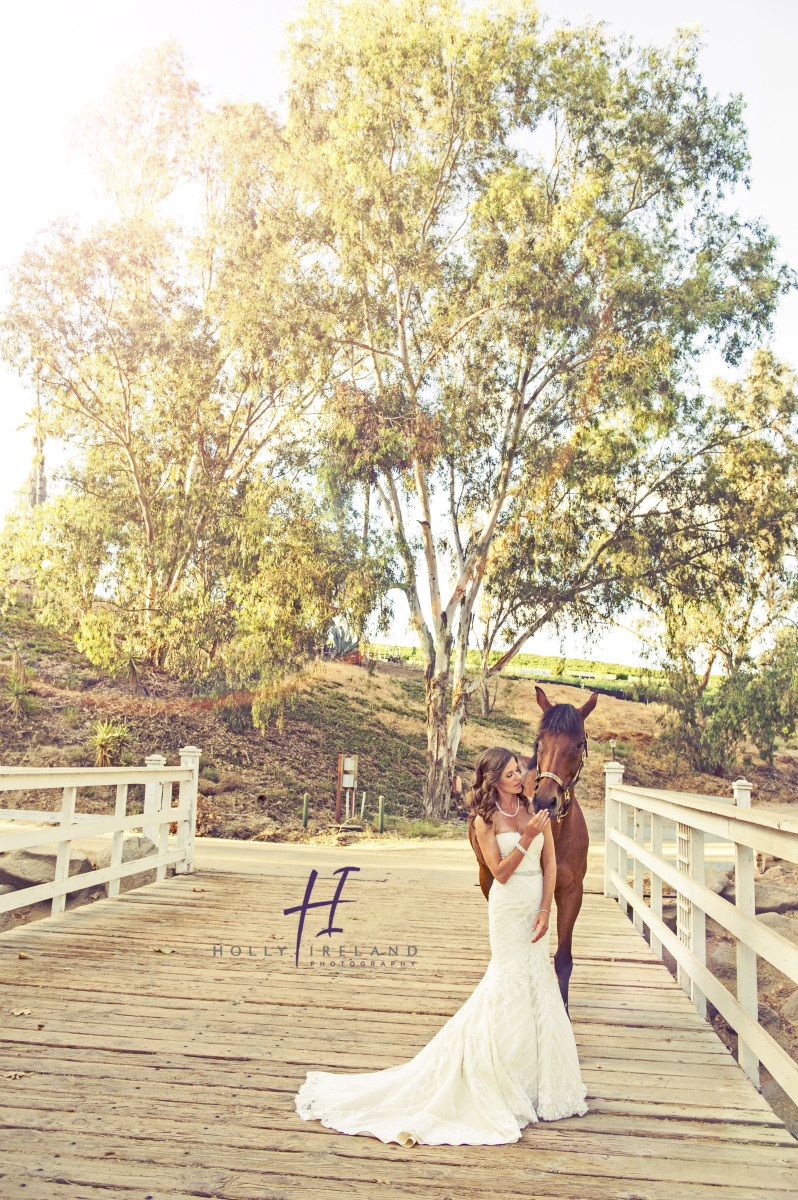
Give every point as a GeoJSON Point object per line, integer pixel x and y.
{"type": "Point", "coordinates": [567, 790]}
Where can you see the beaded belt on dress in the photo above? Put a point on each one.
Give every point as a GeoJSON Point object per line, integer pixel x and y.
{"type": "Point", "coordinates": [523, 870]}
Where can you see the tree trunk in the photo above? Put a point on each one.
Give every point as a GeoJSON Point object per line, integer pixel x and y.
{"type": "Point", "coordinates": [439, 759]}
{"type": "Point", "coordinates": [484, 696]}
{"type": "Point", "coordinates": [439, 768]}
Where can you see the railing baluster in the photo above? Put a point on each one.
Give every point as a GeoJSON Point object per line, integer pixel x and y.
{"type": "Point", "coordinates": [684, 925]}
{"type": "Point", "coordinates": [118, 840]}
{"type": "Point", "coordinates": [639, 818]}
{"type": "Point", "coordinates": [656, 880]}
{"type": "Point", "coordinates": [152, 797]}
{"type": "Point", "coordinates": [186, 830]}
{"type": "Point", "coordinates": [745, 899]}
{"type": "Point", "coordinates": [64, 853]}
{"type": "Point", "coordinates": [163, 829]}
{"type": "Point", "coordinates": [613, 777]}
{"type": "Point", "coordinates": [698, 932]}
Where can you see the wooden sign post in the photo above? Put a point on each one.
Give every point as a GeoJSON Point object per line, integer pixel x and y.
{"type": "Point", "coordinates": [347, 782]}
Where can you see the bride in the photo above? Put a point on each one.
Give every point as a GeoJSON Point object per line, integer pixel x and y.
{"type": "Point", "coordinates": [507, 1057]}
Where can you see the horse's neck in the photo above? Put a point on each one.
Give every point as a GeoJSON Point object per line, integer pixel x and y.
{"type": "Point", "coordinates": [560, 829]}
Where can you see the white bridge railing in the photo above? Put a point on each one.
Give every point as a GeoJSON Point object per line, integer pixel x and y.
{"type": "Point", "coordinates": [67, 825]}
{"type": "Point", "coordinates": [634, 843]}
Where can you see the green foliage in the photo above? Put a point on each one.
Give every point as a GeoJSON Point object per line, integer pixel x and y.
{"type": "Point", "coordinates": [18, 696]}
{"type": "Point", "coordinates": [759, 700]}
{"type": "Point", "coordinates": [530, 248]}
{"type": "Point", "coordinates": [108, 740]}
{"type": "Point", "coordinates": [172, 358]}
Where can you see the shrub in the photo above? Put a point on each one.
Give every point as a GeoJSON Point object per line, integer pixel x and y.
{"type": "Point", "coordinates": [108, 740]}
{"type": "Point", "coordinates": [18, 699]}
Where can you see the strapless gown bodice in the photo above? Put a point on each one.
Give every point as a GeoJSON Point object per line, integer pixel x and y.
{"type": "Point", "coordinates": [530, 863]}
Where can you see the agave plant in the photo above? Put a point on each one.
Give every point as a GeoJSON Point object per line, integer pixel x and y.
{"type": "Point", "coordinates": [342, 644]}
{"type": "Point", "coordinates": [18, 698]}
{"type": "Point", "coordinates": [108, 741]}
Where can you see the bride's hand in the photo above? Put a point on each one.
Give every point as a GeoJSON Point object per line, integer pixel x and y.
{"type": "Point", "coordinates": [537, 823]}
{"type": "Point", "coordinates": [540, 925]}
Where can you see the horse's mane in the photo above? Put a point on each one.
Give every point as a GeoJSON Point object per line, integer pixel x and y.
{"type": "Point", "coordinates": [560, 718]}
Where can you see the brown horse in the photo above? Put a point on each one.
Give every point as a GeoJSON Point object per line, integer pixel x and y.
{"type": "Point", "coordinates": [559, 754]}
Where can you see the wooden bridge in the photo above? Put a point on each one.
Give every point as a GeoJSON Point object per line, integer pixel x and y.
{"type": "Point", "coordinates": [152, 1044]}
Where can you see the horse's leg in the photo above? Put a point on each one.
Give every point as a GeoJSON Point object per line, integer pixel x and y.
{"type": "Point", "coordinates": [569, 902]}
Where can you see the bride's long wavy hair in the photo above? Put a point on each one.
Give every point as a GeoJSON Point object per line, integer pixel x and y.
{"type": "Point", "coordinates": [484, 795]}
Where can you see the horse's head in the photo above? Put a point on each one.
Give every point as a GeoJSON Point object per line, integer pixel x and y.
{"type": "Point", "coordinates": [560, 753]}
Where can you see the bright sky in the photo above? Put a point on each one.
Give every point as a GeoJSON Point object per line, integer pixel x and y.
{"type": "Point", "coordinates": [56, 56]}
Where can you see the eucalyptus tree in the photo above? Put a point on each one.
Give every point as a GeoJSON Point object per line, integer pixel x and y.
{"type": "Point", "coordinates": [515, 232]}
{"type": "Point", "coordinates": [164, 346]}
{"type": "Point", "coordinates": [695, 527]}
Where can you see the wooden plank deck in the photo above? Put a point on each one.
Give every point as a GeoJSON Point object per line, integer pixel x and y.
{"type": "Point", "coordinates": [128, 1072]}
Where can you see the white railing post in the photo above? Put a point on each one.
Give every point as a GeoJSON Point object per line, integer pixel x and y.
{"type": "Point", "coordinates": [639, 825]}
{"type": "Point", "coordinates": [163, 830]}
{"type": "Point", "coordinates": [118, 840]}
{"type": "Point", "coordinates": [186, 830]}
{"type": "Point", "coordinates": [745, 899]}
{"type": "Point", "coordinates": [64, 853]}
{"type": "Point", "coordinates": [656, 880]}
{"type": "Point", "coordinates": [613, 777]}
{"type": "Point", "coordinates": [152, 796]}
{"type": "Point", "coordinates": [698, 916]}
{"type": "Point", "coordinates": [690, 919]}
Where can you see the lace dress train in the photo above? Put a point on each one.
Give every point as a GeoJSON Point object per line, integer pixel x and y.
{"type": "Point", "coordinates": [506, 1058]}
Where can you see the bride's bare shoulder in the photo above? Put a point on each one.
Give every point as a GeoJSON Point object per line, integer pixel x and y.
{"type": "Point", "coordinates": [481, 826]}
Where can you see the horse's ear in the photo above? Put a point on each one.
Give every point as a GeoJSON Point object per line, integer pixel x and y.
{"type": "Point", "coordinates": [542, 701]}
{"type": "Point", "coordinates": [588, 706]}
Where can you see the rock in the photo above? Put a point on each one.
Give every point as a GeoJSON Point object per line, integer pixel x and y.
{"type": "Point", "coordinates": [269, 831]}
{"type": "Point", "coordinates": [26, 868]}
{"type": "Point", "coordinates": [768, 977]}
{"type": "Point", "coordinates": [789, 1008]}
{"type": "Point", "coordinates": [134, 846]}
{"type": "Point", "coordinates": [781, 924]}
{"type": "Point", "coordinates": [717, 880]}
{"type": "Point", "coordinates": [782, 874]}
{"type": "Point", "coordinates": [768, 897]}
{"type": "Point", "coordinates": [722, 959]}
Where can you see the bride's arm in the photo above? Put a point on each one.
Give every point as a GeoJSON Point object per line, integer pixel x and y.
{"type": "Point", "coordinates": [548, 861]}
{"type": "Point", "coordinates": [502, 868]}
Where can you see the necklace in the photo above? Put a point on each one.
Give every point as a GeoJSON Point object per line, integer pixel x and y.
{"type": "Point", "coordinates": [517, 806]}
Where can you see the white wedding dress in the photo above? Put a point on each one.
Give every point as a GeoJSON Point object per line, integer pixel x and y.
{"type": "Point", "coordinates": [506, 1058]}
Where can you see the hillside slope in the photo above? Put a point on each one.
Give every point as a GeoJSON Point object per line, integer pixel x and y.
{"type": "Point", "coordinates": [253, 782]}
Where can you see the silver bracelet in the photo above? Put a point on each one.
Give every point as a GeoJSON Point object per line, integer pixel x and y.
{"type": "Point", "coordinates": [545, 910]}
{"type": "Point", "coordinates": [518, 846]}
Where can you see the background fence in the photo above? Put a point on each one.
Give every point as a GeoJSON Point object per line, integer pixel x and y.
{"type": "Point", "coordinates": [634, 821]}
{"type": "Point", "coordinates": [68, 825]}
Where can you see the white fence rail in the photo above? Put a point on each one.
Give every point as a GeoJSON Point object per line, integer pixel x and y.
{"type": "Point", "coordinates": [67, 825]}
{"type": "Point", "coordinates": [634, 844]}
